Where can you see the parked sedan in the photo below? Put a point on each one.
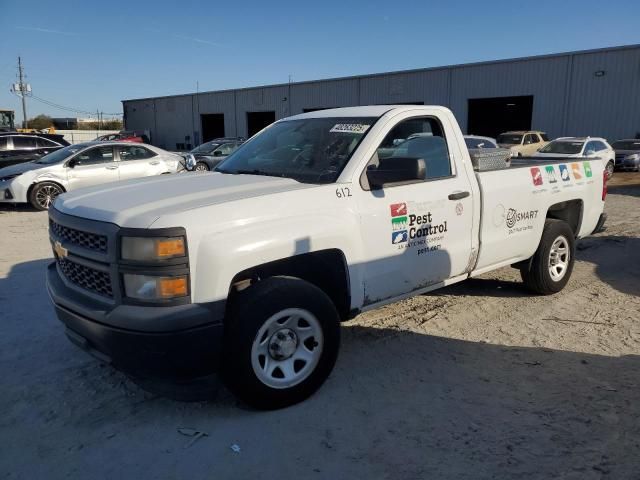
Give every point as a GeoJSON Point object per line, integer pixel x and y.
{"type": "Point", "coordinates": [475, 141]}
{"type": "Point", "coordinates": [581, 147]}
{"type": "Point", "coordinates": [523, 143]}
{"type": "Point", "coordinates": [627, 154]}
{"type": "Point", "coordinates": [210, 154]}
{"type": "Point", "coordinates": [131, 137]}
{"type": "Point", "coordinates": [81, 165]}
{"type": "Point", "coordinates": [18, 147]}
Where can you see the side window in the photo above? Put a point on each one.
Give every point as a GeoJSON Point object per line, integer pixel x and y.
{"type": "Point", "coordinates": [134, 153]}
{"type": "Point", "coordinates": [417, 138]}
{"type": "Point", "coordinates": [600, 146]}
{"type": "Point", "coordinates": [590, 147]}
{"type": "Point", "coordinates": [24, 142]}
{"type": "Point", "coordinates": [535, 138]}
{"type": "Point", "coordinates": [545, 137]}
{"type": "Point", "coordinates": [95, 156]}
{"type": "Point", "coordinates": [226, 149]}
{"type": "Point", "coordinates": [46, 143]}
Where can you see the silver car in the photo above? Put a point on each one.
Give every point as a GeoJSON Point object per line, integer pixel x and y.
{"type": "Point", "coordinates": [82, 165]}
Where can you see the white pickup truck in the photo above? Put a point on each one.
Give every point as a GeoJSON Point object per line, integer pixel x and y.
{"type": "Point", "coordinates": [249, 270]}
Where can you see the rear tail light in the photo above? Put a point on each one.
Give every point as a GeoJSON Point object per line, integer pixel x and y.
{"type": "Point", "coordinates": [605, 177]}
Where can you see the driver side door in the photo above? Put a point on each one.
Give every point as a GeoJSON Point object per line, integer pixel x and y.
{"type": "Point", "coordinates": [93, 166]}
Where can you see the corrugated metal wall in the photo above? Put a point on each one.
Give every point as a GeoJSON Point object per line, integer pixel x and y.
{"type": "Point", "coordinates": [570, 98]}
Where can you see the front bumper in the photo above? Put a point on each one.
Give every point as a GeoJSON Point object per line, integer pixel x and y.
{"type": "Point", "coordinates": [187, 345]}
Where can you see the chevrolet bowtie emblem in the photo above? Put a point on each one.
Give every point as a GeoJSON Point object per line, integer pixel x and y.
{"type": "Point", "coordinates": [60, 250]}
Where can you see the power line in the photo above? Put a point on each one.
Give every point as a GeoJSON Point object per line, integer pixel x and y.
{"type": "Point", "coordinates": [68, 109]}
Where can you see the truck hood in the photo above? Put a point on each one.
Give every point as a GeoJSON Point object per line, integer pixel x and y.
{"type": "Point", "coordinates": [138, 203]}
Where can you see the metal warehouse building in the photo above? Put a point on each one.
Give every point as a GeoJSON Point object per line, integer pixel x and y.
{"type": "Point", "coordinates": [592, 92]}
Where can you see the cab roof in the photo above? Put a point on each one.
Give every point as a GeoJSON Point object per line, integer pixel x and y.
{"type": "Point", "coordinates": [363, 111]}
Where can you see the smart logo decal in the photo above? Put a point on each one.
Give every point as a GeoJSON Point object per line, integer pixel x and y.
{"type": "Point", "coordinates": [519, 221]}
{"type": "Point", "coordinates": [564, 173]}
{"type": "Point", "coordinates": [551, 174]}
{"type": "Point", "coordinates": [412, 226]}
{"type": "Point", "coordinates": [587, 169]}
{"type": "Point", "coordinates": [536, 175]}
{"type": "Point", "coordinates": [575, 169]}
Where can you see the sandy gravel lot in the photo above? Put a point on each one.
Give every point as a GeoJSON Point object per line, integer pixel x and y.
{"type": "Point", "coordinates": [480, 380]}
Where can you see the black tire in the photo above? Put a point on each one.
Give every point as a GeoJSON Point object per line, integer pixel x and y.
{"type": "Point", "coordinates": [201, 167]}
{"type": "Point", "coordinates": [536, 274]}
{"type": "Point", "coordinates": [43, 194]}
{"type": "Point", "coordinates": [249, 312]}
{"type": "Point", "coordinates": [610, 169]}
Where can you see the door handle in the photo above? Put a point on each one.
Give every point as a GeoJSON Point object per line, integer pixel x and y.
{"type": "Point", "coordinates": [112, 167]}
{"type": "Point", "coordinates": [458, 195]}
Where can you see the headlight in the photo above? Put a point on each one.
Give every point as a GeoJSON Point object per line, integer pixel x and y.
{"type": "Point", "coordinates": [152, 249]}
{"type": "Point", "coordinates": [149, 287]}
{"type": "Point", "coordinates": [190, 161]}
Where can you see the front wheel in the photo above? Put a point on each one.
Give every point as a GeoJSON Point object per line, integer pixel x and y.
{"type": "Point", "coordinates": [281, 342]}
{"type": "Point", "coordinates": [552, 264]}
{"type": "Point", "coordinates": [201, 167]}
{"type": "Point", "coordinates": [43, 194]}
{"type": "Point", "coordinates": [610, 168]}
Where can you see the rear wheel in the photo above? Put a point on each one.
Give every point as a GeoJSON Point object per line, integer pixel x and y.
{"type": "Point", "coordinates": [281, 342]}
{"type": "Point", "coordinates": [551, 266]}
{"type": "Point", "coordinates": [610, 168]}
{"type": "Point", "coordinates": [43, 194]}
{"type": "Point", "coordinates": [201, 167]}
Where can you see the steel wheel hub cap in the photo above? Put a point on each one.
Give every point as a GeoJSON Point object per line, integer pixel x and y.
{"type": "Point", "coordinates": [559, 256]}
{"type": "Point", "coordinates": [283, 344]}
{"type": "Point", "coordinates": [287, 348]}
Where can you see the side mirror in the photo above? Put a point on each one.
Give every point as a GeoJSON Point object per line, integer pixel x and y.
{"type": "Point", "coordinates": [190, 162]}
{"type": "Point", "coordinates": [590, 153]}
{"type": "Point", "coordinates": [217, 153]}
{"type": "Point", "coordinates": [396, 170]}
{"type": "Point", "coordinates": [72, 163]}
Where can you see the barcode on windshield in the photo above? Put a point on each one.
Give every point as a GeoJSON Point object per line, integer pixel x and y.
{"type": "Point", "coordinates": [349, 128]}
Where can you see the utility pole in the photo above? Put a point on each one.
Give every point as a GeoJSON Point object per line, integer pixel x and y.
{"type": "Point", "coordinates": [23, 88]}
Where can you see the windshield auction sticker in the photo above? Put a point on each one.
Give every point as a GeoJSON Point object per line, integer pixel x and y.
{"type": "Point", "coordinates": [349, 128]}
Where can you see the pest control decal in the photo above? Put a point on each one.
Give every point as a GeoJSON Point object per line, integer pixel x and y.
{"type": "Point", "coordinates": [564, 173]}
{"type": "Point", "coordinates": [349, 128]}
{"type": "Point", "coordinates": [413, 226]}
{"type": "Point", "coordinates": [398, 209]}
{"type": "Point", "coordinates": [551, 174]}
{"type": "Point", "coordinates": [536, 175]}
{"type": "Point", "coordinates": [575, 169]}
{"type": "Point", "coordinates": [587, 169]}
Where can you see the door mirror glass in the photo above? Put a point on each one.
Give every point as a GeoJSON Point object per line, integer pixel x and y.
{"type": "Point", "coordinates": [396, 170]}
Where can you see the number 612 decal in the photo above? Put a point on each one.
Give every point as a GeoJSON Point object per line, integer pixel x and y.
{"type": "Point", "coordinates": [343, 192]}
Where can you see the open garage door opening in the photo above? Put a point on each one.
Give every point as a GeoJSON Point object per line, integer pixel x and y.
{"type": "Point", "coordinates": [212, 126]}
{"type": "Point", "coordinates": [490, 117]}
{"type": "Point", "coordinates": [256, 121]}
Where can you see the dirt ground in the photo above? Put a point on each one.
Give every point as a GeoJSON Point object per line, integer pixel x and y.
{"type": "Point", "coordinates": [479, 380]}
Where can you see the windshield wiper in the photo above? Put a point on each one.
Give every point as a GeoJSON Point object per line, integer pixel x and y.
{"type": "Point", "coordinates": [252, 172]}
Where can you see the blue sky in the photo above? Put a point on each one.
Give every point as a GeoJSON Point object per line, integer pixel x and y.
{"type": "Point", "coordinates": [90, 55]}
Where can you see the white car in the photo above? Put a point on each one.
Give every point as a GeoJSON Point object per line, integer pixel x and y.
{"type": "Point", "coordinates": [248, 270]}
{"type": "Point", "coordinates": [573, 147]}
{"type": "Point", "coordinates": [81, 165]}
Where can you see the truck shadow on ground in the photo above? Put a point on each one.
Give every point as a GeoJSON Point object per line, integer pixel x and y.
{"type": "Point", "coordinates": [616, 258]}
{"type": "Point", "coordinates": [400, 404]}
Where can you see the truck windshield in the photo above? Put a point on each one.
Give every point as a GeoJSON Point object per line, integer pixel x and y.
{"type": "Point", "coordinates": [567, 148]}
{"type": "Point", "coordinates": [312, 150]}
{"type": "Point", "coordinates": [510, 139]}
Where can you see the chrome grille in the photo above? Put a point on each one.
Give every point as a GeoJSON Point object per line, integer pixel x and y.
{"type": "Point", "coordinates": [88, 278]}
{"type": "Point", "coordinates": [90, 241]}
